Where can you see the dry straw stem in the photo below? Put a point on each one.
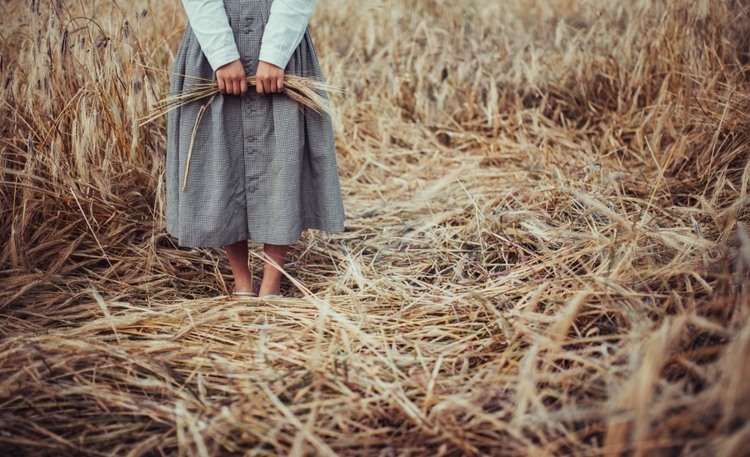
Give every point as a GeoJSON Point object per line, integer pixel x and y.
{"type": "Point", "coordinates": [546, 249]}
{"type": "Point", "coordinates": [307, 92]}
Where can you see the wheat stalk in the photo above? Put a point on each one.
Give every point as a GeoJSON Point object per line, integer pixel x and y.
{"type": "Point", "coordinates": [307, 92]}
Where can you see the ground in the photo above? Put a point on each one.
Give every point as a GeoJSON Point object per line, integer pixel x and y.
{"type": "Point", "coordinates": [546, 248]}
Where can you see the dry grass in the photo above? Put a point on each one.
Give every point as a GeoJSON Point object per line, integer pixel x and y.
{"type": "Point", "coordinates": [547, 247]}
{"type": "Point", "coordinates": [306, 92]}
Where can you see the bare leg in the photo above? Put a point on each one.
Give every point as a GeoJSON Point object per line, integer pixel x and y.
{"type": "Point", "coordinates": [271, 275]}
{"type": "Point", "coordinates": [237, 254]}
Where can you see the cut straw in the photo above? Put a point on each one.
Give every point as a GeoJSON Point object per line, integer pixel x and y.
{"type": "Point", "coordinates": [307, 92]}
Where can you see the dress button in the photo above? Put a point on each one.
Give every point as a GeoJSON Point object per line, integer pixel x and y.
{"type": "Point", "coordinates": [251, 189]}
{"type": "Point", "coordinates": [252, 151]}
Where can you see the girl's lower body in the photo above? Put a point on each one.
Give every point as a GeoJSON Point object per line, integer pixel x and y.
{"type": "Point", "coordinates": [262, 168]}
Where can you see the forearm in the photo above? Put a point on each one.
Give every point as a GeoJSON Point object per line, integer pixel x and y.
{"type": "Point", "coordinates": [209, 22]}
{"type": "Point", "coordinates": [285, 28]}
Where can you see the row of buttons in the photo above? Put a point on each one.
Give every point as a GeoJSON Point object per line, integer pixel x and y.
{"type": "Point", "coordinates": [248, 142]}
{"type": "Point", "coordinates": [248, 64]}
{"type": "Point", "coordinates": [248, 23]}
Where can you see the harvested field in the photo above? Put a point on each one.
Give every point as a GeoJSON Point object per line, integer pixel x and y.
{"type": "Point", "coordinates": [547, 248]}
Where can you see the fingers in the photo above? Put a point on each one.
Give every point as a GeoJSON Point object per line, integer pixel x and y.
{"type": "Point", "coordinates": [230, 87]}
{"type": "Point", "coordinates": [231, 78]}
{"type": "Point", "coordinates": [263, 85]}
{"type": "Point", "coordinates": [269, 79]}
{"type": "Point", "coordinates": [275, 82]}
{"type": "Point", "coordinates": [269, 85]}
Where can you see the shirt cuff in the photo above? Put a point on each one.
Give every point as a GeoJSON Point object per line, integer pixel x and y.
{"type": "Point", "coordinates": [273, 56]}
{"type": "Point", "coordinates": [222, 56]}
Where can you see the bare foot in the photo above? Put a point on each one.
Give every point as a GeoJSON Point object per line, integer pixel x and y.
{"type": "Point", "coordinates": [270, 286]}
{"type": "Point", "coordinates": [243, 279]}
{"type": "Point", "coordinates": [275, 255]}
{"type": "Point", "coordinates": [245, 287]}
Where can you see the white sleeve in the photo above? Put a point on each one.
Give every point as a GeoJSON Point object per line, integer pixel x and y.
{"type": "Point", "coordinates": [285, 28]}
{"type": "Point", "coordinates": [210, 24]}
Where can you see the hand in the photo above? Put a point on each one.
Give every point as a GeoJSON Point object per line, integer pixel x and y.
{"type": "Point", "coordinates": [232, 78]}
{"type": "Point", "coordinates": [269, 78]}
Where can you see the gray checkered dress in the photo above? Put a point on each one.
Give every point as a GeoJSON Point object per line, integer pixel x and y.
{"type": "Point", "coordinates": [262, 168]}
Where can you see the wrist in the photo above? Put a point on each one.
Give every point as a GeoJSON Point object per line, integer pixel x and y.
{"type": "Point", "coordinates": [272, 65]}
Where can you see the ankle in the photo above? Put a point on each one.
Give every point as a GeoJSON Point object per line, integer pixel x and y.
{"type": "Point", "coordinates": [243, 283]}
{"type": "Point", "coordinates": [269, 289]}
{"type": "Point", "coordinates": [271, 282]}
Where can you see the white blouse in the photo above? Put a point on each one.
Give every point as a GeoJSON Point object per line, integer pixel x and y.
{"type": "Point", "coordinates": [285, 28]}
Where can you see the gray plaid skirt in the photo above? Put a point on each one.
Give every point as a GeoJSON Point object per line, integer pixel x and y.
{"type": "Point", "coordinates": [262, 168]}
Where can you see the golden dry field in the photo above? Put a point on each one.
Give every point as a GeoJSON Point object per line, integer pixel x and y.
{"type": "Point", "coordinates": [547, 249]}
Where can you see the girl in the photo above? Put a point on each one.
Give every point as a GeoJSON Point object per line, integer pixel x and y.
{"type": "Point", "coordinates": [262, 168]}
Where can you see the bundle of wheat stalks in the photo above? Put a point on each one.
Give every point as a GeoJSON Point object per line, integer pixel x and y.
{"type": "Point", "coordinates": [307, 92]}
